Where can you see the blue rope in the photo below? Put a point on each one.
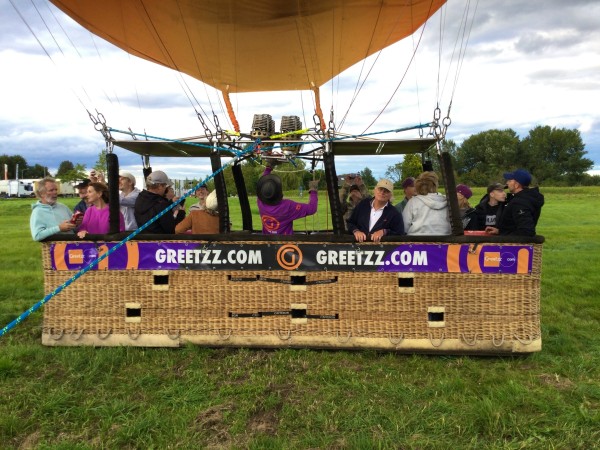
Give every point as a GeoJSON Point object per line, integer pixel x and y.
{"type": "Point", "coordinates": [94, 263]}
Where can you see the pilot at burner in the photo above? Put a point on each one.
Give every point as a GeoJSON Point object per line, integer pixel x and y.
{"type": "Point", "coordinates": [276, 213]}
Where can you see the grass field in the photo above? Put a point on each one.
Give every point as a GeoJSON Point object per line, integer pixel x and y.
{"type": "Point", "coordinates": [65, 398]}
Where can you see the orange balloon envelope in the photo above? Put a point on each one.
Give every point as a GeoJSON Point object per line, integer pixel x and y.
{"type": "Point", "coordinates": [253, 45]}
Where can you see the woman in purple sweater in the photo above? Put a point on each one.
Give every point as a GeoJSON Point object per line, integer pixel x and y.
{"type": "Point", "coordinates": [278, 215]}
{"type": "Point", "coordinates": [95, 220]}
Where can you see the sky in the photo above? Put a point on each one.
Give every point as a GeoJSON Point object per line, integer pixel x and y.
{"type": "Point", "coordinates": [526, 64]}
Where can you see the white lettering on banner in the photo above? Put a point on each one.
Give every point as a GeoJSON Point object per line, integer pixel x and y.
{"type": "Point", "coordinates": [407, 258]}
{"type": "Point", "coordinates": [208, 257]}
{"type": "Point", "coordinates": [350, 257]}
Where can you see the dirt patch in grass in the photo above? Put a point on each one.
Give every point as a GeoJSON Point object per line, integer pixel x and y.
{"type": "Point", "coordinates": [556, 381]}
{"type": "Point", "coordinates": [31, 441]}
{"type": "Point", "coordinates": [264, 422]}
{"type": "Point", "coordinates": [211, 423]}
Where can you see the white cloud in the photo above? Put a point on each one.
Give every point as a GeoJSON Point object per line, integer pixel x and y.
{"type": "Point", "coordinates": [524, 66]}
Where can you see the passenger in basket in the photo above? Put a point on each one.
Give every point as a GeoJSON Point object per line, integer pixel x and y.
{"type": "Point", "coordinates": [96, 217]}
{"type": "Point", "coordinates": [276, 213]}
{"type": "Point", "coordinates": [491, 206]}
{"type": "Point", "coordinates": [152, 201]}
{"type": "Point", "coordinates": [521, 214]}
{"type": "Point", "coordinates": [82, 205]}
{"type": "Point", "coordinates": [201, 221]}
{"type": "Point", "coordinates": [201, 194]}
{"type": "Point", "coordinates": [179, 210]}
{"type": "Point", "coordinates": [49, 217]}
{"type": "Point", "coordinates": [127, 196]}
{"type": "Point", "coordinates": [427, 212]}
{"type": "Point", "coordinates": [408, 185]}
{"type": "Point", "coordinates": [467, 213]}
{"type": "Point", "coordinates": [374, 218]}
{"type": "Point", "coordinates": [351, 193]}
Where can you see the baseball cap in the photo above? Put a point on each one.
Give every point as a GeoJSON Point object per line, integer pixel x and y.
{"type": "Point", "coordinates": [464, 190]}
{"type": "Point", "coordinates": [520, 175]}
{"type": "Point", "coordinates": [211, 201]}
{"type": "Point", "coordinates": [408, 182]}
{"type": "Point", "coordinates": [386, 184]}
{"type": "Point", "coordinates": [495, 187]}
{"type": "Point", "coordinates": [128, 175]}
{"type": "Point", "coordinates": [84, 183]}
{"type": "Point", "coordinates": [159, 177]}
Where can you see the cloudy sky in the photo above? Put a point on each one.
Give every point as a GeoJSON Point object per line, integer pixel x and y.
{"type": "Point", "coordinates": [527, 63]}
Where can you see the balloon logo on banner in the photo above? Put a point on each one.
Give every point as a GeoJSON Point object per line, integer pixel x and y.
{"type": "Point", "coordinates": [289, 257]}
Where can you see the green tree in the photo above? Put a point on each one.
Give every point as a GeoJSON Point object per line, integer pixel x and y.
{"type": "Point", "coordinates": [36, 171]}
{"type": "Point", "coordinates": [394, 172]}
{"type": "Point", "coordinates": [554, 154]}
{"type": "Point", "coordinates": [11, 163]}
{"type": "Point", "coordinates": [100, 165]}
{"type": "Point", "coordinates": [368, 178]}
{"type": "Point", "coordinates": [77, 173]}
{"type": "Point", "coordinates": [411, 166]}
{"type": "Point", "coordinates": [63, 168]}
{"type": "Point", "coordinates": [484, 157]}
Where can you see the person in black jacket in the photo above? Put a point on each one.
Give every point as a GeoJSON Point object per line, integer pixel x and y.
{"type": "Point", "coordinates": [521, 214]}
{"type": "Point", "coordinates": [491, 206]}
{"type": "Point", "coordinates": [376, 217]}
{"type": "Point", "coordinates": [152, 201]}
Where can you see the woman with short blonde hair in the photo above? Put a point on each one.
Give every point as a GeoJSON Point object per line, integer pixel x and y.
{"type": "Point", "coordinates": [426, 183]}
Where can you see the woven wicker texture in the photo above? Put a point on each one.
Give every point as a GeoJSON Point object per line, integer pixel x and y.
{"type": "Point", "coordinates": [474, 307]}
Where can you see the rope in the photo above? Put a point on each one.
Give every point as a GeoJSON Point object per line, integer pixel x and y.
{"type": "Point", "coordinates": [195, 144]}
{"type": "Point", "coordinates": [318, 111]}
{"type": "Point", "coordinates": [94, 263]}
{"type": "Point", "coordinates": [234, 121]}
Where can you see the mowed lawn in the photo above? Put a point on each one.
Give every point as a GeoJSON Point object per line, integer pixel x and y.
{"type": "Point", "coordinates": [195, 397]}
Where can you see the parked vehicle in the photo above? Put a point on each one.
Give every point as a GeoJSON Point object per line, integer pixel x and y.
{"type": "Point", "coordinates": [15, 188]}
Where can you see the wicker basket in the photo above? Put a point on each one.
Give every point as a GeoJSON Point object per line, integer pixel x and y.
{"type": "Point", "coordinates": [406, 312]}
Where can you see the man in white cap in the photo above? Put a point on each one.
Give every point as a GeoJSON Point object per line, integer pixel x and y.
{"type": "Point", "coordinates": [127, 197]}
{"type": "Point", "coordinates": [376, 217]}
{"type": "Point", "coordinates": [151, 201]}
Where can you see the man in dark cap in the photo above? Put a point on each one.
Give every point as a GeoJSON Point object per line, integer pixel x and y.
{"type": "Point", "coordinates": [522, 212]}
{"type": "Point", "coordinates": [82, 190]}
{"type": "Point", "coordinates": [278, 215]}
{"type": "Point", "coordinates": [408, 185]}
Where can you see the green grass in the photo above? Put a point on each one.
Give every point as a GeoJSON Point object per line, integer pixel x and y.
{"type": "Point", "coordinates": [238, 398]}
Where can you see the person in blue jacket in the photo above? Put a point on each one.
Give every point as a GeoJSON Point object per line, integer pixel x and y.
{"type": "Point", "coordinates": [376, 217]}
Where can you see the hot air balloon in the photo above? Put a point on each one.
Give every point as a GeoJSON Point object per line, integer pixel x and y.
{"type": "Point", "coordinates": [457, 293]}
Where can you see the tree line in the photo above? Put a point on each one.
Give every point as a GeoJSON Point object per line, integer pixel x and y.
{"type": "Point", "coordinates": [67, 171]}
{"type": "Point", "coordinates": [554, 156]}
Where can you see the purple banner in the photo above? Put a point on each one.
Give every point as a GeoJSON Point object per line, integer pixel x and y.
{"type": "Point", "coordinates": [190, 255]}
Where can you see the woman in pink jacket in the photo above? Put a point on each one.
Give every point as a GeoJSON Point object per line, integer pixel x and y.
{"type": "Point", "coordinates": [95, 220]}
